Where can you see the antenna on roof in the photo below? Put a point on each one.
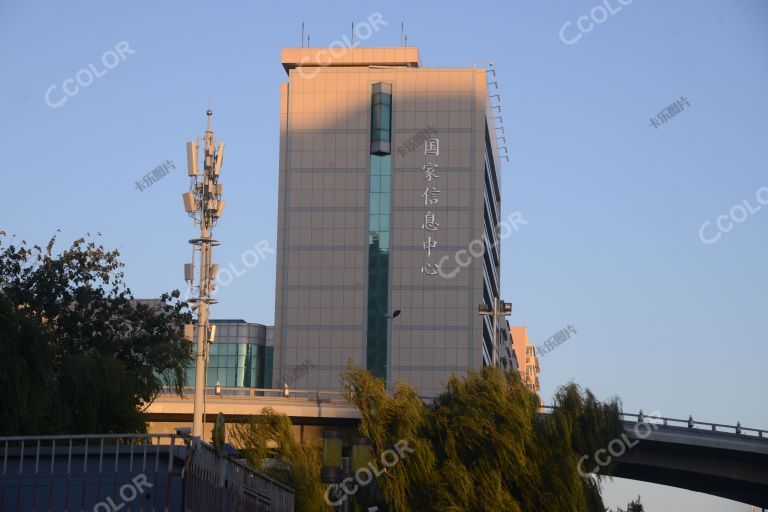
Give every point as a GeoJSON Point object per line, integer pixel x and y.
{"type": "Point", "coordinates": [402, 29]}
{"type": "Point", "coordinates": [308, 45]}
{"type": "Point", "coordinates": [406, 40]}
{"type": "Point", "coordinates": [302, 34]}
{"type": "Point", "coordinates": [352, 41]}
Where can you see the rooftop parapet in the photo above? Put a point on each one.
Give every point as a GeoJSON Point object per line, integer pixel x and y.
{"type": "Point", "coordinates": [340, 56]}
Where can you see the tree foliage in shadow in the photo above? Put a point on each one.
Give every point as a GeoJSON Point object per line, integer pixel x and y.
{"type": "Point", "coordinates": [78, 354]}
{"type": "Point", "coordinates": [269, 446]}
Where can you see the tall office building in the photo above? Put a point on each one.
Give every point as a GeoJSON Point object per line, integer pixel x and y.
{"type": "Point", "coordinates": [388, 201]}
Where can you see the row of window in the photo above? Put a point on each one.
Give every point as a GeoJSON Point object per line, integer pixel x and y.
{"type": "Point", "coordinates": [379, 229]}
{"type": "Point", "coordinates": [246, 365]}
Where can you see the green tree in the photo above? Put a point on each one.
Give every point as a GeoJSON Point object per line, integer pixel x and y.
{"type": "Point", "coordinates": [77, 342]}
{"type": "Point", "coordinates": [386, 420]}
{"type": "Point", "coordinates": [484, 445]}
{"type": "Point", "coordinates": [269, 446]}
{"type": "Point", "coordinates": [633, 506]}
{"type": "Point", "coordinates": [26, 375]}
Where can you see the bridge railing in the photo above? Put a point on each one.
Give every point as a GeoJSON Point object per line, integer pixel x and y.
{"type": "Point", "coordinates": [689, 423]}
{"type": "Point", "coordinates": [236, 393]}
{"type": "Point", "coordinates": [239, 393]}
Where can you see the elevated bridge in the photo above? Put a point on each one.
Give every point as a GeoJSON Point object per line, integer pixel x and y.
{"type": "Point", "coordinates": [728, 461]}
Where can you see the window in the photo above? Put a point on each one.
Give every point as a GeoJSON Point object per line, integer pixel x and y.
{"type": "Point", "coordinates": [378, 229]}
{"type": "Point", "coordinates": [381, 119]}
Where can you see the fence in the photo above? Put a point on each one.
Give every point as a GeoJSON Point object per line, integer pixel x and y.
{"type": "Point", "coordinates": [689, 423]}
{"type": "Point", "coordinates": [139, 472]}
{"type": "Point", "coordinates": [219, 484]}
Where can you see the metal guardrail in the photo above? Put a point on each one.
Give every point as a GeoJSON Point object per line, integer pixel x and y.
{"type": "Point", "coordinates": [139, 472]}
{"type": "Point", "coordinates": [90, 472]}
{"type": "Point", "coordinates": [250, 393]}
{"type": "Point", "coordinates": [220, 484]}
{"type": "Point", "coordinates": [338, 396]}
{"type": "Point", "coordinates": [689, 423]}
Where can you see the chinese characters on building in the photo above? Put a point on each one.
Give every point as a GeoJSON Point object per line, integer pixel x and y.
{"type": "Point", "coordinates": [153, 177]}
{"type": "Point", "coordinates": [555, 340]}
{"type": "Point", "coordinates": [669, 112]}
{"type": "Point", "coordinates": [431, 196]}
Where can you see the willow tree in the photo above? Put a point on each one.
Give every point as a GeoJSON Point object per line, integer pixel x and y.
{"type": "Point", "coordinates": [269, 446]}
{"type": "Point", "coordinates": [387, 420]}
{"type": "Point", "coordinates": [483, 444]}
{"type": "Point", "coordinates": [102, 356]}
{"type": "Point", "coordinates": [28, 405]}
{"type": "Point", "coordinates": [483, 431]}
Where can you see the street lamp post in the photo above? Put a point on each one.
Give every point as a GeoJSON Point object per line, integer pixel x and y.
{"type": "Point", "coordinates": [390, 317]}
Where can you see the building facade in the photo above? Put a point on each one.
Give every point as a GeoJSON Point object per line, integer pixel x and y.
{"type": "Point", "coordinates": [527, 358]}
{"type": "Point", "coordinates": [388, 218]}
{"type": "Point", "coordinates": [507, 355]}
{"type": "Point", "coordinates": [241, 355]}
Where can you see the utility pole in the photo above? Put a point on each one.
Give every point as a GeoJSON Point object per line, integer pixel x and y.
{"type": "Point", "coordinates": [204, 204]}
{"type": "Point", "coordinates": [499, 308]}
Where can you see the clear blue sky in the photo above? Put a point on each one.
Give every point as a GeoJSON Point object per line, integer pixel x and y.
{"type": "Point", "coordinates": [613, 205]}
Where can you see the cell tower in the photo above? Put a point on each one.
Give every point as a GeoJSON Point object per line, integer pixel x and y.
{"type": "Point", "coordinates": [204, 204]}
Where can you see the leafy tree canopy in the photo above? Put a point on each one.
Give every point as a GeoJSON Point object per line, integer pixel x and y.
{"type": "Point", "coordinates": [270, 447]}
{"type": "Point", "coordinates": [483, 444]}
{"type": "Point", "coordinates": [77, 353]}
